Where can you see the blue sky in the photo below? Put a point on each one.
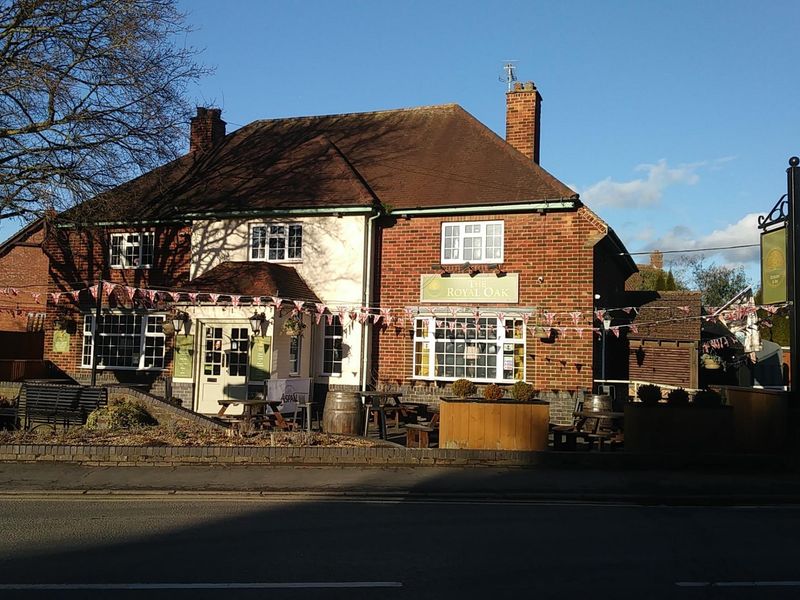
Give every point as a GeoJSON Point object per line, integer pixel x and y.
{"type": "Point", "coordinates": [674, 120]}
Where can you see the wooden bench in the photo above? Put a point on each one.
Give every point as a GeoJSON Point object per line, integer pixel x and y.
{"type": "Point", "coordinates": [59, 404]}
{"type": "Point", "coordinates": [418, 434]}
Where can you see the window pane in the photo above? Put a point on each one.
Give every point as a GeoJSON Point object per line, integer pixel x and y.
{"type": "Point", "coordinates": [295, 249]}
{"type": "Point", "coordinates": [332, 347]}
{"type": "Point", "coordinates": [258, 243]}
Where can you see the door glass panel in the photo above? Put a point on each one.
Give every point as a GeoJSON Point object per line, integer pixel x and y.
{"type": "Point", "coordinates": [240, 346]}
{"type": "Point", "coordinates": [212, 359]}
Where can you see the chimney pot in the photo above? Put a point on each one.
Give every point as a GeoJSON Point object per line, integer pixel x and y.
{"type": "Point", "coordinates": [523, 119]}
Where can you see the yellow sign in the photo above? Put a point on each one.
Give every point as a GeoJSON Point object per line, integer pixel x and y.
{"type": "Point", "coordinates": [184, 356]}
{"type": "Point", "coordinates": [773, 266]}
{"type": "Point", "coordinates": [482, 288]}
{"type": "Point", "coordinates": [261, 358]}
{"type": "Point", "coordinates": [60, 342]}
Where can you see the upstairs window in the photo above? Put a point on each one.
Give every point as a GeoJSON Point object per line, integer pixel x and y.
{"type": "Point", "coordinates": [473, 242]}
{"type": "Point", "coordinates": [132, 250]}
{"type": "Point", "coordinates": [276, 242]}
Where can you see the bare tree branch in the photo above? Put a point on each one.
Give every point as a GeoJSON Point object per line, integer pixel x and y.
{"type": "Point", "coordinates": [92, 93]}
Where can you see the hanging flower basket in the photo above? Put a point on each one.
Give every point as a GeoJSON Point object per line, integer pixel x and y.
{"type": "Point", "coordinates": [293, 327]}
{"type": "Point", "coordinates": [711, 361]}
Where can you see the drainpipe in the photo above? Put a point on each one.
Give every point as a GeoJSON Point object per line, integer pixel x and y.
{"type": "Point", "coordinates": [367, 297]}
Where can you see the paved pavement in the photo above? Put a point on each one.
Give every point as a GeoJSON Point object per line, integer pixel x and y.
{"type": "Point", "coordinates": [721, 486]}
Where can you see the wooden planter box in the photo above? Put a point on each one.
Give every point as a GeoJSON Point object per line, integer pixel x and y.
{"type": "Point", "coordinates": [688, 429]}
{"type": "Point", "coordinates": [493, 425]}
{"type": "Point", "coordinates": [761, 419]}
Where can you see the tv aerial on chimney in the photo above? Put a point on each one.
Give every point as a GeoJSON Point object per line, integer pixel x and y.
{"type": "Point", "coordinates": [509, 77]}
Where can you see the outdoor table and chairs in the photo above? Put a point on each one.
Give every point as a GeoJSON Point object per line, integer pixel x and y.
{"type": "Point", "coordinates": [603, 427]}
{"type": "Point", "coordinates": [379, 404]}
{"type": "Point", "coordinates": [252, 411]}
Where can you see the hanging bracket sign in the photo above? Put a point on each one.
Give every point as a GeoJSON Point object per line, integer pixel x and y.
{"type": "Point", "coordinates": [773, 266]}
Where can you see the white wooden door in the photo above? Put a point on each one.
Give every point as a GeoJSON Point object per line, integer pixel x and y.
{"type": "Point", "coordinates": [225, 351]}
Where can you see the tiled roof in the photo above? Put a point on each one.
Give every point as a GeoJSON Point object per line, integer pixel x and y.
{"type": "Point", "coordinates": [660, 318]}
{"type": "Point", "coordinates": [438, 156]}
{"type": "Point", "coordinates": [254, 279]}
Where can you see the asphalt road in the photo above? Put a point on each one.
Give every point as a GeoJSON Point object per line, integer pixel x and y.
{"type": "Point", "coordinates": [294, 546]}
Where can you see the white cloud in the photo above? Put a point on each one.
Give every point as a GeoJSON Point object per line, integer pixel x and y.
{"type": "Point", "coordinates": [744, 231]}
{"type": "Point", "coordinates": [645, 191]}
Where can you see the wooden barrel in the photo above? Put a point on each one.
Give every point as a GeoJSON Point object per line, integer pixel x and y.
{"type": "Point", "coordinates": [599, 402]}
{"type": "Point", "coordinates": [343, 413]}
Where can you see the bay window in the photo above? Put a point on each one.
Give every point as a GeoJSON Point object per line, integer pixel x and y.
{"type": "Point", "coordinates": [473, 242]}
{"type": "Point", "coordinates": [124, 341]}
{"type": "Point", "coordinates": [486, 350]}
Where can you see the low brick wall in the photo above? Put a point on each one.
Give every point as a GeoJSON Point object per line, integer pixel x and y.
{"type": "Point", "coordinates": [170, 456]}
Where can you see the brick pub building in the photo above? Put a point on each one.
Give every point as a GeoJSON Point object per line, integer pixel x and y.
{"type": "Point", "coordinates": [433, 248]}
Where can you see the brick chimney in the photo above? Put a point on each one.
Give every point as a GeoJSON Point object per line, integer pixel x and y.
{"type": "Point", "coordinates": [207, 129]}
{"type": "Point", "coordinates": [523, 119]}
{"type": "Point", "coordinates": [657, 260]}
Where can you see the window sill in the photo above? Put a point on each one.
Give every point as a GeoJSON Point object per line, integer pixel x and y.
{"type": "Point", "coordinates": [139, 268]}
{"type": "Point", "coordinates": [497, 261]}
{"type": "Point", "coordinates": [280, 262]}
{"type": "Point", "coordinates": [473, 379]}
{"type": "Point", "coordinates": [102, 368]}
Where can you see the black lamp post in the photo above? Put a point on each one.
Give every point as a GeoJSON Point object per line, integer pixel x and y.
{"type": "Point", "coordinates": [793, 266]}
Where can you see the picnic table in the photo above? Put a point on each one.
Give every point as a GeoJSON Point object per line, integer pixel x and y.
{"type": "Point", "coordinates": [254, 411]}
{"type": "Point", "coordinates": [600, 426]}
{"type": "Point", "coordinates": [378, 404]}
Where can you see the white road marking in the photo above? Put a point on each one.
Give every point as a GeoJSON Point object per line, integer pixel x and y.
{"type": "Point", "coordinates": [201, 586]}
{"type": "Point", "coordinates": [737, 583]}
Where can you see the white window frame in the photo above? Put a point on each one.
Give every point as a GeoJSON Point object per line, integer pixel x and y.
{"type": "Point", "coordinates": [326, 335]}
{"type": "Point", "coordinates": [142, 239]}
{"type": "Point", "coordinates": [503, 338]}
{"type": "Point", "coordinates": [459, 228]}
{"type": "Point", "coordinates": [89, 330]}
{"type": "Point", "coordinates": [295, 357]}
{"type": "Point", "coordinates": [261, 252]}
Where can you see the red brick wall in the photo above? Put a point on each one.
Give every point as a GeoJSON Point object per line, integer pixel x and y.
{"type": "Point", "coordinates": [23, 267]}
{"type": "Point", "coordinates": [79, 258]}
{"type": "Point", "coordinates": [548, 245]}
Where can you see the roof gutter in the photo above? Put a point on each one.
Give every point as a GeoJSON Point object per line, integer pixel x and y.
{"type": "Point", "coordinates": [334, 211]}
{"type": "Point", "coordinates": [545, 205]}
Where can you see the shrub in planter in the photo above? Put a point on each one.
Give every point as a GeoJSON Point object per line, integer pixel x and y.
{"type": "Point", "coordinates": [493, 392]}
{"type": "Point", "coordinates": [120, 414]}
{"type": "Point", "coordinates": [523, 392]}
{"type": "Point", "coordinates": [679, 397]}
{"type": "Point", "coordinates": [707, 399]}
{"type": "Point", "coordinates": [464, 388]}
{"type": "Point", "coordinates": [649, 393]}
